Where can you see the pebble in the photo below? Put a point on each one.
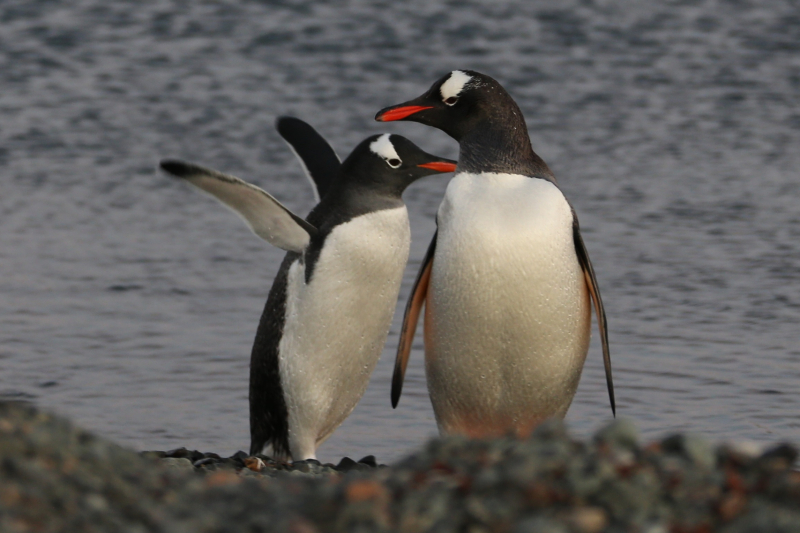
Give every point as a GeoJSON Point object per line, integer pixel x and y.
{"type": "Point", "coordinates": [255, 464]}
{"type": "Point", "coordinates": [621, 433]}
{"type": "Point", "coordinates": [694, 447]}
{"type": "Point", "coordinates": [588, 519]}
{"type": "Point", "coordinates": [177, 462]}
{"type": "Point", "coordinates": [57, 477]}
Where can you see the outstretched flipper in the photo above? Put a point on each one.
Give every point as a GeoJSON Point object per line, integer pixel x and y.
{"type": "Point", "coordinates": [415, 301]}
{"type": "Point", "coordinates": [594, 291]}
{"type": "Point", "coordinates": [261, 212]}
{"type": "Point", "coordinates": [319, 160]}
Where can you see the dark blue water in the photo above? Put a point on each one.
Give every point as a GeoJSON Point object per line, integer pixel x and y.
{"type": "Point", "coordinates": [129, 302]}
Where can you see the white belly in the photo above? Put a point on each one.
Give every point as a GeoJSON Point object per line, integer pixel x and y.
{"type": "Point", "coordinates": [507, 319]}
{"type": "Point", "coordinates": [336, 325]}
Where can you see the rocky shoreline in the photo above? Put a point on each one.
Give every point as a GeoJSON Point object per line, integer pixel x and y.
{"type": "Point", "coordinates": [57, 477]}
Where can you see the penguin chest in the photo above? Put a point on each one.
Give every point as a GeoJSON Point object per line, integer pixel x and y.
{"type": "Point", "coordinates": [507, 317]}
{"type": "Point", "coordinates": [337, 323]}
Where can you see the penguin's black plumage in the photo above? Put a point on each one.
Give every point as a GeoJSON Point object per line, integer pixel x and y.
{"type": "Point", "coordinates": [316, 156]}
{"type": "Point", "coordinates": [507, 281]}
{"type": "Point", "coordinates": [329, 309]}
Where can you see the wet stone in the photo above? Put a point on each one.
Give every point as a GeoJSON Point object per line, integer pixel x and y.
{"type": "Point", "coordinates": [693, 447]}
{"type": "Point", "coordinates": [369, 460]}
{"type": "Point", "coordinates": [588, 519]}
{"type": "Point", "coordinates": [255, 464]}
{"type": "Point", "coordinates": [230, 463]}
{"type": "Point", "coordinates": [728, 455]}
{"type": "Point", "coordinates": [540, 524]}
{"type": "Point", "coordinates": [621, 433]}
{"type": "Point", "coordinates": [780, 457]}
{"type": "Point", "coordinates": [177, 462]}
{"type": "Point", "coordinates": [240, 455]}
{"type": "Point", "coordinates": [178, 453]}
{"type": "Point", "coordinates": [60, 478]}
{"type": "Point", "coordinates": [552, 429]}
{"type": "Point", "coordinates": [346, 464]}
{"type": "Point", "coordinates": [153, 455]}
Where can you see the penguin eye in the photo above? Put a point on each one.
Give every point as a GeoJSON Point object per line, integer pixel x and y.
{"type": "Point", "coordinates": [452, 100]}
{"type": "Point", "coordinates": [394, 163]}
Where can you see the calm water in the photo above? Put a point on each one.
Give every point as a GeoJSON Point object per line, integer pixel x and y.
{"type": "Point", "coordinates": [129, 302]}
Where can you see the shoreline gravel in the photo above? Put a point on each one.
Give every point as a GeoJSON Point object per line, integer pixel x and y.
{"type": "Point", "coordinates": [57, 477]}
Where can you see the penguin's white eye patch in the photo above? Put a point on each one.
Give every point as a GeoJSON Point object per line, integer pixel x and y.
{"type": "Point", "coordinates": [383, 148]}
{"type": "Point", "coordinates": [453, 86]}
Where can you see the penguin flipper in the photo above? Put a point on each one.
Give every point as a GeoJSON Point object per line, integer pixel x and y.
{"type": "Point", "coordinates": [319, 160]}
{"type": "Point", "coordinates": [410, 319]}
{"type": "Point", "coordinates": [261, 212]}
{"type": "Point", "coordinates": [594, 291]}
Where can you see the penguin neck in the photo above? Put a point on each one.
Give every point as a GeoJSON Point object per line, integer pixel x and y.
{"type": "Point", "coordinates": [360, 196]}
{"type": "Point", "coordinates": [502, 146]}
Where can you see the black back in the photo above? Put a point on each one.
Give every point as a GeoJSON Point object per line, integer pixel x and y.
{"type": "Point", "coordinates": [365, 183]}
{"type": "Point", "coordinates": [269, 422]}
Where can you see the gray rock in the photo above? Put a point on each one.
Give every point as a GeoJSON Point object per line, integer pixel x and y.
{"type": "Point", "coordinates": [177, 462]}
{"type": "Point", "coordinates": [540, 524]}
{"type": "Point", "coordinates": [693, 447]}
{"type": "Point", "coordinates": [621, 432]}
{"type": "Point", "coordinates": [55, 477]}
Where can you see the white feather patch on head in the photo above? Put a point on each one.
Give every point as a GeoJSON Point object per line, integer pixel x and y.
{"type": "Point", "coordinates": [383, 147]}
{"type": "Point", "coordinates": [454, 84]}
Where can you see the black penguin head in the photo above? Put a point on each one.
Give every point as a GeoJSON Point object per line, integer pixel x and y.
{"type": "Point", "coordinates": [477, 112]}
{"type": "Point", "coordinates": [458, 104]}
{"type": "Point", "coordinates": [391, 163]}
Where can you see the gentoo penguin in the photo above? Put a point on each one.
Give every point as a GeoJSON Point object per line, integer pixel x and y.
{"type": "Point", "coordinates": [330, 307]}
{"type": "Point", "coordinates": [507, 280]}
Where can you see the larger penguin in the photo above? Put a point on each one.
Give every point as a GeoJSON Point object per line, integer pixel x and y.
{"type": "Point", "coordinates": [507, 280]}
{"type": "Point", "coordinates": [330, 307]}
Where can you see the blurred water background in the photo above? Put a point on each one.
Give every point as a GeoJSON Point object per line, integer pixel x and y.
{"type": "Point", "coordinates": [129, 301]}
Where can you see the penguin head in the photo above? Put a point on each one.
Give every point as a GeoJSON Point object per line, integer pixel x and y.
{"type": "Point", "coordinates": [391, 163]}
{"type": "Point", "coordinates": [458, 103]}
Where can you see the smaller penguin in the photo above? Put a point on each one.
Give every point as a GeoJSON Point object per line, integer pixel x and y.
{"type": "Point", "coordinates": [328, 313]}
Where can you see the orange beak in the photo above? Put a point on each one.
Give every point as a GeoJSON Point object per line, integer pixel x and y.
{"type": "Point", "coordinates": [439, 166]}
{"type": "Point", "coordinates": [399, 113]}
